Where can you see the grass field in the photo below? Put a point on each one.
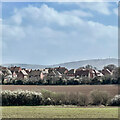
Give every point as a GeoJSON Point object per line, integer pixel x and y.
{"type": "Point", "coordinates": [58, 112]}
{"type": "Point", "coordinates": [86, 89]}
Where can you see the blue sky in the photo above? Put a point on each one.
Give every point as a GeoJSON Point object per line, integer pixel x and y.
{"type": "Point", "coordinates": [51, 33]}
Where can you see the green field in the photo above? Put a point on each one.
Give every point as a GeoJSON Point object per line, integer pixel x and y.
{"type": "Point", "coordinates": [59, 112]}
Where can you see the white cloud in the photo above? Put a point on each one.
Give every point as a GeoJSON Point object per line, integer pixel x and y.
{"type": "Point", "coordinates": [47, 29]}
{"type": "Point", "coordinates": [45, 17]}
{"type": "Point", "coordinates": [78, 13]}
{"type": "Point", "coordinates": [115, 11]}
{"type": "Point", "coordinates": [100, 7]}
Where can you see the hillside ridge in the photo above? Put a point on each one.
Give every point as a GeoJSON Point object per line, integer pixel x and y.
{"type": "Point", "coordinates": [98, 63]}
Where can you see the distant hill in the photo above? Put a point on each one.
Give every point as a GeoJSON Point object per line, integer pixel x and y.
{"type": "Point", "coordinates": [98, 63]}
{"type": "Point", "coordinates": [28, 66]}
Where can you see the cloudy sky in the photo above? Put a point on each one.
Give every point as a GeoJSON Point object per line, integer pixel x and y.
{"type": "Point", "coordinates": [50, 33]}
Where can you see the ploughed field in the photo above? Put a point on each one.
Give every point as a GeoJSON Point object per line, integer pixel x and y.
{"type": "Point", "coordinates": [86, 89]}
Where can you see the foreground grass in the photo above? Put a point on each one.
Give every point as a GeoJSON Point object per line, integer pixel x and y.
{"type": "Point", "coordinates": [58, 112]}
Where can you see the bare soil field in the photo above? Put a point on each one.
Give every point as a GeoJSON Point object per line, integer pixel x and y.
{"type": "Point", "coordinates": [86, 89]}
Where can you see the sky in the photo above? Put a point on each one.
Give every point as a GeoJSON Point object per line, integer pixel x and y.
{"type": "Point", "coordinates": [56, 32]}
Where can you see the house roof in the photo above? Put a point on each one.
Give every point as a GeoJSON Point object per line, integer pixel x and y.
{"type": "Point", "coordinates": [9, 72]}
{"type": "Point", "coordinates": [72, 71]}
{"type": "Point", "coordinates": [98, 73]}
{"type": "Point", "coordinates": [106, 71]}
{"type": "Point", "coordinates": [16, 69]}
{"type": "Point", "coordinates": [24, 72]}
{"type": "Point", "coordinates": [62, 70]}
{"type": "Point", "coordinates": [82, 72]}
{"type": "Point", "coordinates": [54, 72]}
{"type": "Point", "coordinates": [34, 72]}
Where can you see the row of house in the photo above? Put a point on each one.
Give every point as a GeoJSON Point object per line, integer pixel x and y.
{"type": "Point", "coordinates": [24, 74]}
{"type": "Point", "coordinates": [90, 73]}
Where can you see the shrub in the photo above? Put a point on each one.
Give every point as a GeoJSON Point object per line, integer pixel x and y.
{"type": "Point", "coordinates": [53, 98]}
{"type": "Point", "coordinates": [77, 99]}
{"type": "Point", "coordinates": [99, 97]}
{"type": "Point", "coordinates": [82, 99]}
{"type": "Point", "coordinates": [46, 93]}
{"type": "Point", "coordinates": [58, 98]}
{"type": "Point", "coordinates": [21, 97]}
{"type": "Point", "coordinates": [115, 101]}
{"type": "Point", "coordinates": [47, 97]}
{"type": "Point", "coordinates": [73, 98]}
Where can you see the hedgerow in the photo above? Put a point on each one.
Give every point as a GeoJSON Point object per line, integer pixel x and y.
{"type": "Point", "coordinates": [45, 97]}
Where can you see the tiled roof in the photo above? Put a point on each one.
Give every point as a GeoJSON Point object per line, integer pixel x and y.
{"type": "Point", "coordinates": [24, 72]}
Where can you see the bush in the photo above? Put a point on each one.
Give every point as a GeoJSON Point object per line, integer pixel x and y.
{"type": "Point", "coordinates": [99, 97]}
{"type": "Point", "coordinates": [47, 97]}
{"type": "Point", "coordinates": [21, 97]}
{"type": "Point", "coordinates": [73, 98]}
{"type": "Point", "coordinates": [53, 98]}
{"type": "Point", "coordinates": [77, 99]}
{"type": "Point", "coordinates": [115, 101]}
{"type": "Point", "coordinates": [58, 98]}
{"type": "Point", "coordinates": [82, 100]}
